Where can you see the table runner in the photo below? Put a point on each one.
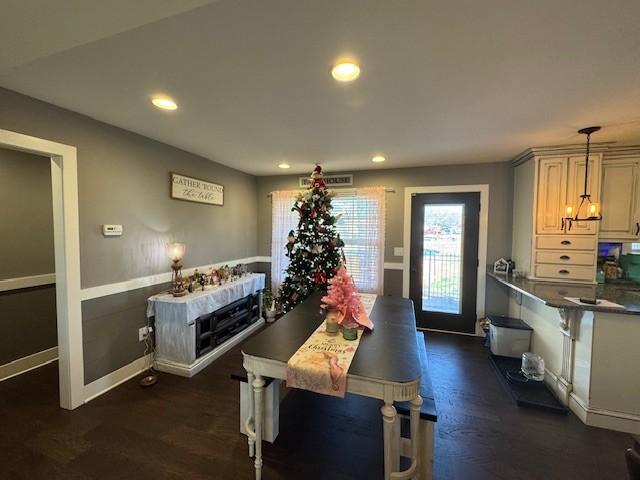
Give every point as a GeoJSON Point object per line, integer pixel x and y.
{"type": "Point", "coordinates": [322, 362]}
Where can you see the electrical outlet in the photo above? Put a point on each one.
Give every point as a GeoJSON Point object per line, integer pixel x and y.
{"type": "Point", "coordinates": [143, 333]}
{"type": "Point", "coordinates": [398, 251]}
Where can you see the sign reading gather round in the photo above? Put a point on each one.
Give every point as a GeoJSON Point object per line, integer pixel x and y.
{"type": "Point", "coordinates": [196, 190]}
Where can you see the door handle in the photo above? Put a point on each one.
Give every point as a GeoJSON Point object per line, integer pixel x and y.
{"type": "Point", "coordinates": [637, 228]}
{"type": "Point", "coordinates": [566, 242]}
{"type": "Point", "coordinates": [565, 257]}
{"type": "Point", "coordinates": [563, 271]}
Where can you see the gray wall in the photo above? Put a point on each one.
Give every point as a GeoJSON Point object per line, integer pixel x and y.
{"type": "Point", "coordinates": [26, 216]}
{"type": "Point", "coordinates": [498, 175]}
{"type": "Point", "coordinates": [123, 178]}
{"type": "Point", "coordinates": [27, 316]}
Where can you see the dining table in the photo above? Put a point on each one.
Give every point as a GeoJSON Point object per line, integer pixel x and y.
{"type": "Point", "coordinates": [386, 366]}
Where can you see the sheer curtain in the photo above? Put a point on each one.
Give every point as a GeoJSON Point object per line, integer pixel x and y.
{"type": "Point", "coordinates": [361, 227]}
{"type": "Point", "coordinates": [283, 220]}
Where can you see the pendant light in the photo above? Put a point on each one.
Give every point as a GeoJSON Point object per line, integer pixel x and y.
{"type": "Point", "coordinates": [587, 211]}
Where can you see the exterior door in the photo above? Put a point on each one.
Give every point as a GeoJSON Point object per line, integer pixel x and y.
{"type": "Point", "coordinates": [444, 260]}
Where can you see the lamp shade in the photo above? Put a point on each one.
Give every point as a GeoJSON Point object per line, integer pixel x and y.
{"type": "Point", "coordinates": [176, 251]}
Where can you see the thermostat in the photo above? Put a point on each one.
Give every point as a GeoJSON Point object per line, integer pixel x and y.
{"type": "Point", "coordinates": [112, 230]}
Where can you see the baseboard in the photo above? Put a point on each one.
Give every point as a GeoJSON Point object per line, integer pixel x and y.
{"type": "Point", "coordinates": [611, 420]}
{"type": "Point", "coordinates": [30, 362]}
{"type": "Point", "coordinates": [185, 370]}
{"type": "Point", "coordinates": [115, 378]}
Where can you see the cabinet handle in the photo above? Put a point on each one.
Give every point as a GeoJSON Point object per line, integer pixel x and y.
{"type": "Point", "coordinates": [568, 242]}
{"type": "Point", "coordinates": [565, 257]}
{"type": "Point", "coordinates": [563, 271]}
{"type": "Point", "coordinates": [637, 228]}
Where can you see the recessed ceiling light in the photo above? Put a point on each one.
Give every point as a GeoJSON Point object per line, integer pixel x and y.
{"type": "Point", "coordinates": [284, 165]}
{"type": "Point", "coordinates": [345, 72]}
{"type": "Point", "coordinates": [378, 159]}
{"type": "Point", "coordinates": [164, 103]}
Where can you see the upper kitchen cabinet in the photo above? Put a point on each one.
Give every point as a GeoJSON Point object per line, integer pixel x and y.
{"type": "Point", "coordinates": [620, 198]}
{"type": "Point", "coordinates": [575, 188]}
{"type": "Point", "coordinates": [560, 183]}
{"type": "Point", "coordinates": [552, 194]}
{"type": "Point", "coordinates": [546, 181]}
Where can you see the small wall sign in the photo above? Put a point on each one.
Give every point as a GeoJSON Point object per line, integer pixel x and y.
{"type": "Point", "coordinates": [196, 190]}
{"type": "Point", "coordinates": [344, 180]}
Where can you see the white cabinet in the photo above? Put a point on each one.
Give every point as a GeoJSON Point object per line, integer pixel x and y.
{"type": "Point", "coordinates": [575, 188]}
{"type": "Point", "coordinates": [546, 248]}
{"type": "Point", "coordinates": [620, 198]}
{"type": "Point", "coordinates": [552, 195]}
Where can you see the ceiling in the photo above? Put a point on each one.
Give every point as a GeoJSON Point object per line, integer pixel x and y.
{"type": "Point", "coordinates": [442, 82]}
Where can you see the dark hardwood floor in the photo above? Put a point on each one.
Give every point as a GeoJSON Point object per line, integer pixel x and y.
{"type": "Point", "coordinates": [188, 429]}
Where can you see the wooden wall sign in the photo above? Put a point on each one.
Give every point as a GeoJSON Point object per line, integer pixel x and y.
{"type": "Point", "coordinates": [196, 190]}
{"type": "Point", "coordinates": [344, 180]}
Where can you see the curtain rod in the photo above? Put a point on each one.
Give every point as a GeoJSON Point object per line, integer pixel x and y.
{"type": "Point", "coordinates": [346, 189]}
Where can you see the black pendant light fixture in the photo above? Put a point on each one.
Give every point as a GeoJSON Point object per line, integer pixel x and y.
{"type": "Point", "coordinates": [587, 210]}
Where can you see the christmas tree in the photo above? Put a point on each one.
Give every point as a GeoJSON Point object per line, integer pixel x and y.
{"type": "Point", "coordinates": [315, 250]}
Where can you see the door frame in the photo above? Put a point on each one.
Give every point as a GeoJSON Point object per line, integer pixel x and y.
{"type": "Point", "coordinates": [66, 238]}
{"type": "Point", "coordinates": [483, 189]}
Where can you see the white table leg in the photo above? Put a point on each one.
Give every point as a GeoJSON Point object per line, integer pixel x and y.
{"type": "Point", "coordinates": [426, 460]}
{"type": "Point", "coordinates": [388, 423]}
{"type": "Point", "coordinates": [258, 390]}
{"type": "Point", "coordinates": [250, 418]}
{"type": "Point", "coordinates": [416, 404]}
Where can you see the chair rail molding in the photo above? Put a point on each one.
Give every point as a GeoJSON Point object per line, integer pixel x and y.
{"type": "Point", "coordinates": [17, 283]}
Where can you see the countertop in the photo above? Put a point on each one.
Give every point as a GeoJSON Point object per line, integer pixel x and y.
{"type": "Point", "coordinates": [623, 293]}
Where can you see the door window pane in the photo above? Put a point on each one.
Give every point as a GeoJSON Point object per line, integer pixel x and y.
{"type": "Point", "coordinates": [442, 258]}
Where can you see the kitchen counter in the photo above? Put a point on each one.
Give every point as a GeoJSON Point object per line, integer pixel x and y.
{"type": "Point", "coordinates": [551, 294]}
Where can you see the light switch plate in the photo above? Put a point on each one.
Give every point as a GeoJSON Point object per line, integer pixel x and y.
{"type": "Point", "coordinates": [398, 251]}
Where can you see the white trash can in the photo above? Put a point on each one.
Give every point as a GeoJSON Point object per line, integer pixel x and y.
{"type": "Point", "coordinates": [508, 336]}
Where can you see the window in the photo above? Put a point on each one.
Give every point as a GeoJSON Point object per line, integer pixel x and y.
{"type": "Point", "coordinates": [361, 227]}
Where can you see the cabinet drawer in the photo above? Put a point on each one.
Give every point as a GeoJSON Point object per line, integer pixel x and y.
{"type": "Point", "coordinates": [565, 257]}
{"type": "Point", "coordinates": [568, 272]}
{"type": "Point", "coordinates": [566, 243]}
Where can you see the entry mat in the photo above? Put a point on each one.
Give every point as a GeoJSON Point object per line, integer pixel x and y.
{"type": "Point", "coordinates": [530, 394]}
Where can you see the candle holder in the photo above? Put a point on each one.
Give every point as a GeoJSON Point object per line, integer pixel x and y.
{"type": "Point", "coordinates": [176, 252]}
{"type": "Point", "coordinates": [331, 324]}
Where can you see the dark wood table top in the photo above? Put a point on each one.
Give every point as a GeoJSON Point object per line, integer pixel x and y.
{"type": "Point", "coordinates": [389, 353]}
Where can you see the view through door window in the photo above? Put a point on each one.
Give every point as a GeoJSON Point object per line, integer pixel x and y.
{"type": "Point", "coordinates": [442, 258]}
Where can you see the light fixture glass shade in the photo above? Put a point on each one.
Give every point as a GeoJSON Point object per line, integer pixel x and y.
{"type": "Point", "coordinates": [176, 251]}
{"type": "Point", "coordinates": [594, 210]}
{"type": "Point", "coordinates": [568, 211]}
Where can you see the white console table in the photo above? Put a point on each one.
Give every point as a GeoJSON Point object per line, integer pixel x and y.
{"type": "Point", "coordinates": [175, 323]}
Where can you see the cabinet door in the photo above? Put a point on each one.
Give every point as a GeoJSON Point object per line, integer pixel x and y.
{"type": "Point", "coordinates": [551, 195]}
{"type": "Point", "coordinates": [619, 198]}
{"type": "Point", "coordinates": [575, 188]}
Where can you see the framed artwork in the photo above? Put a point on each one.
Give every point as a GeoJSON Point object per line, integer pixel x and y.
{"type": "Point", "coordinates": [192, 189]}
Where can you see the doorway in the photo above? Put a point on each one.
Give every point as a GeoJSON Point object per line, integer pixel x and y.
{"type": "Point", "coordinates": [64, 187]}
{"type": "Point", "coordinates": [445, 256]}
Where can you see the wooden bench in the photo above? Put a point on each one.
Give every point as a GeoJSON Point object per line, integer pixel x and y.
{"type": "Point", "coordinates": [428, 417]}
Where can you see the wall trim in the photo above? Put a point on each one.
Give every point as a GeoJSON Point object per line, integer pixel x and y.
{"type": "Point", "coordinates": [30, 281]}
{"type": "Point", "coordinates": [393, 266]}
{"type": "Point", "coordinates": [158, 279]}
{"type": "Point", "coordinates": [596, 417]}
{"type": "Point", "coordinates": [66, 240]}
{"type": "Point", "coordinates": [30, 362]}
{"type": "Point", "coordinates": [482, 236]}
{"type": "Point", "coordinates": [111, 380]}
